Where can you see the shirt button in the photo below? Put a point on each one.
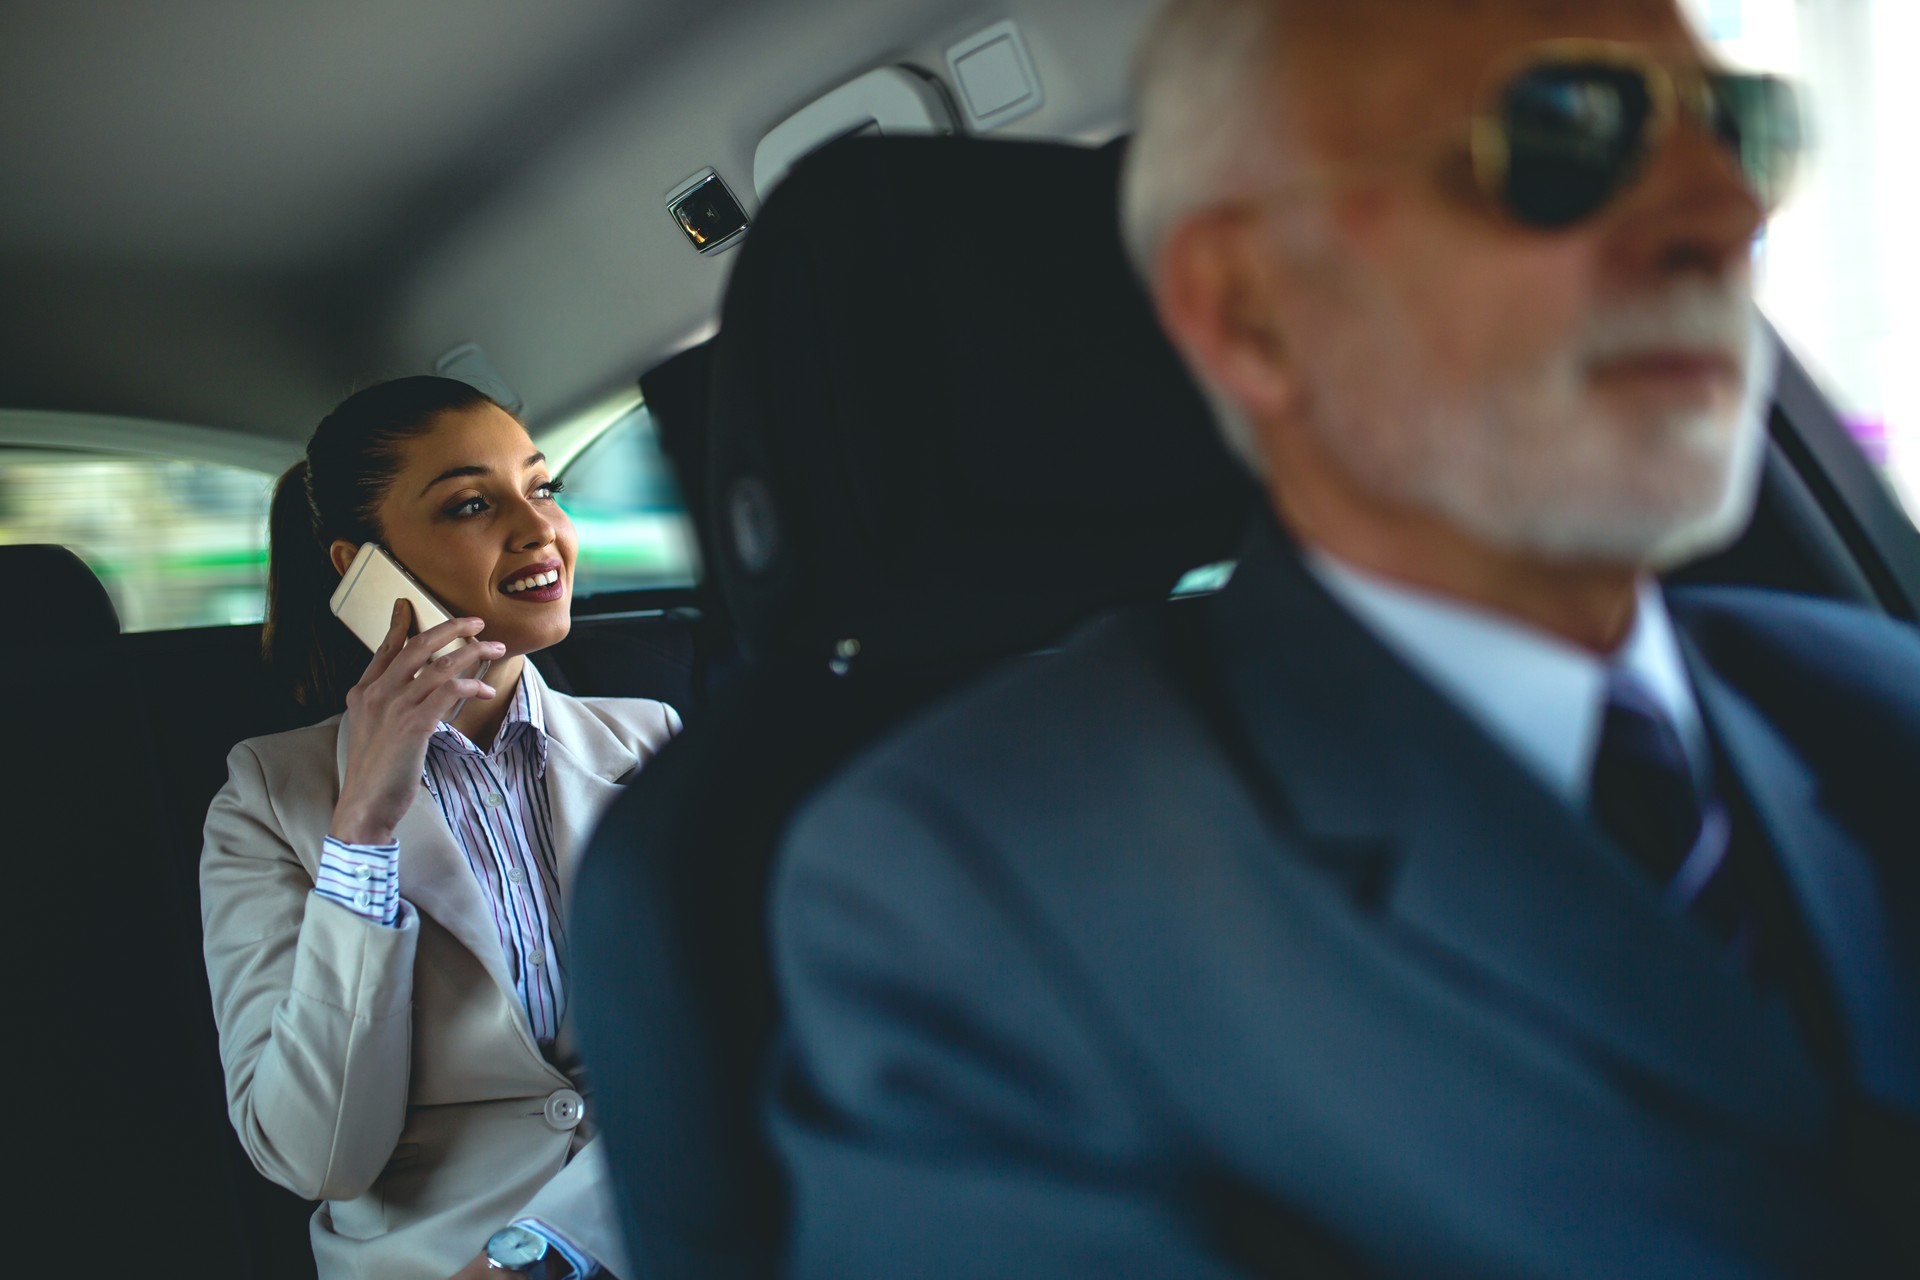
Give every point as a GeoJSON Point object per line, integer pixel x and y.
{"type": "Point", "coordinates": [363, 900]}
{"type": "Point", "coordinates": [495, 799]}
{"type": "Point", "coordinates": [537, 956]}
{"type": "Point", "coordinates": [516, 875]}
{"type": "Point", "coordinates": [565, 1109]}
{"type": "Point", "coordinates": [363, 872]}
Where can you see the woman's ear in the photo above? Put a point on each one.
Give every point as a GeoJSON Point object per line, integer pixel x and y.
{"type": "Point", "coordinates": [342, 553]}
{"type": "Point", "coordinates": [1216, 288]}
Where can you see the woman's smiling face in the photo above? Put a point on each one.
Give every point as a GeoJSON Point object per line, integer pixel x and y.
{"type": "Point", "coordinates": [471, 514]}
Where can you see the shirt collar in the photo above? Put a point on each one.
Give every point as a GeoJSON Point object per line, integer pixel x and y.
{"type": "Point", "coordinates": [1535, 694]}
{"type": "Point", "coordinates": [526, 717]}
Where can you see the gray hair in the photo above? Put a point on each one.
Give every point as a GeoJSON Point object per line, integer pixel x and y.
{"type": "Point", "coordinates": [1201, 94]}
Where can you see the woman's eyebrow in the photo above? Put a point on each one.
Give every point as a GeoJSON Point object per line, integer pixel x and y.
{"type": "Point", "coordinates": [454, 473]}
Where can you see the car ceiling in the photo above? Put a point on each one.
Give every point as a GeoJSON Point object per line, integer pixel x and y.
{"type": "Point", "coordinates": [231, 214]}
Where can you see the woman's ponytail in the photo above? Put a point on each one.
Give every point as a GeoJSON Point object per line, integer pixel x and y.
{"type": "Point", "coordinates": [334, 494]}
{"type": "Point", "coordinates": [297, 641]}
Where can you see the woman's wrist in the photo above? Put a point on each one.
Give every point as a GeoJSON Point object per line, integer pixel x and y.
{"type": "Point", "coordinates": [351, 827]}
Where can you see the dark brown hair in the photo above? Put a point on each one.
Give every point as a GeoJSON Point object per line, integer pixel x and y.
{"type": "Point", "coordinates": [335, 492]}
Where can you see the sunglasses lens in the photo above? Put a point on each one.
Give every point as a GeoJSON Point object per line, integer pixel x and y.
{"type": "Point", "coordinates": [1574, 134]}
{"type": "Point", "coordinates": [1759, 119]}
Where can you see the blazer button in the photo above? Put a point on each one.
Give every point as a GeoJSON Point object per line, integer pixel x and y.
{"type": "Point", "coordinates": [565, 1109]}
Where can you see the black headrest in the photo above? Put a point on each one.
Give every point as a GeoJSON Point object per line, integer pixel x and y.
{"type": "Point", "coordinates": [944, 421]}
{"type": "Point", "coordinates": [676, 394]}
{"type": "Point", "coordinates": [70, 606]}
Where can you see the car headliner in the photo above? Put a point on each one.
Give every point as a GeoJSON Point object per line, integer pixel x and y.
{"type": "Point", "coordinates": [229, 214]}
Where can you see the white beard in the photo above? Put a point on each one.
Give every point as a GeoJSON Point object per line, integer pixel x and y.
{"type": "Point", "coordinates": [1529, 464]}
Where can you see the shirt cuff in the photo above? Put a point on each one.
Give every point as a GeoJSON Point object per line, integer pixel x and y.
{"type": "Point", "coordinates": [583, 1264]}
{"type": "Point", "coordinates": [363, 878]}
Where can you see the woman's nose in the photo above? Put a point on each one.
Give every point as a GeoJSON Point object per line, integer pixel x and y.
{"type": "Point", "coordinates": [534, 532]}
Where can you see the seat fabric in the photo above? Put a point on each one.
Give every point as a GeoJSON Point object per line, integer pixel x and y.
{"type": "Point", "coordinates": [70, 606]}
{"type": "Point", "coordinates": [945, 420]}
{"type": "Point", "coordinates": [936, 440]}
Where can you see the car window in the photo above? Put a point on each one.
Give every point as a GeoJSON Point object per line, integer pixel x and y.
{"type": "Point", "coordinates": [181, 543]}
{"type": "Point", "coordinates": [1839, 270]}
{"type": "Point", "coordinates": [177, 543]}
{"type": "Point", "coordinates": [633, 529]}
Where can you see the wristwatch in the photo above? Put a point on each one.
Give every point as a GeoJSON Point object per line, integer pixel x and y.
{"type": "Point", "coordinates": [529, 1252]}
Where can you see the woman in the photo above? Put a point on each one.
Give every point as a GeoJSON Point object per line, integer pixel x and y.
{"type": "Point", "coordinates": [384, 892]}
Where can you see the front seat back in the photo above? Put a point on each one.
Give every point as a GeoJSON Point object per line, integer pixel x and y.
{"type": "Point", "coordinates": [944, 428]}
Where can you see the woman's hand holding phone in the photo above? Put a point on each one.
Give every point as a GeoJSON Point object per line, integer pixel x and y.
{"type": "Point", "coordinates": [394, 715]}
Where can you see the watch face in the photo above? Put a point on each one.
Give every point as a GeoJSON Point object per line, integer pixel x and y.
{"type": "Point", "coordinates": [515, 1248]}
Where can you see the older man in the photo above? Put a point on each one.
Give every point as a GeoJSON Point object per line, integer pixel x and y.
{"type": "Point", "coordinates": [1443, 900]}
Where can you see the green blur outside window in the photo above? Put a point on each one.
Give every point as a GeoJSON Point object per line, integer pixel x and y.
{"type": "Point", "coordinates": [633, 529]}
{"type": "Point", "coordinates": [176, 543]}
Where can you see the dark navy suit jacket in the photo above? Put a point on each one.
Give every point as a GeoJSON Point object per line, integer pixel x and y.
{"type": "Point", "coordinates": [1082, 977]}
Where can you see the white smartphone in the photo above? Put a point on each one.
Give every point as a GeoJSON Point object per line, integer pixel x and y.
{"type": "Point", "coordinates": [364, 599]}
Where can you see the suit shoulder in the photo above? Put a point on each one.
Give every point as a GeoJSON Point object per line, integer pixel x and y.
{"type": "Point", "coordinates": [291, 748]}
{"type": "Point", "coordinates": [1740, 627]}
{"type": "Point", "coordinates": [1081, 703]}
{"type": "Point", "coordinates": [266, 774]}
{"type": "Point", "coordinates": [1767, 608]}
{"type": "Point", "coordinates": [1011, 767]}
{"type": "Point", "coordinates": [1842, 683]}
{"type": "Point", "coordinates": [638, 722]}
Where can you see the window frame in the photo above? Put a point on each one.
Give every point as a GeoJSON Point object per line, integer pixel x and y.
{"type": "Point", "coordinates": [1858, 502]}
{"type": "Point", "coordinates": [56, 436]}
{"type": "Point", "coordinates": [564, 446]}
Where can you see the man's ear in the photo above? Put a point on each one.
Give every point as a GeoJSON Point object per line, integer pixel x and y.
{"type": "Point", "coordinates": [342, 553]}
{"type": "Point", "coordinates": [1216, 288]}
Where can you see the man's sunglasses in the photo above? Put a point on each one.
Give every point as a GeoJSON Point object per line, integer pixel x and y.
{"type": "Point", "coordinates": [1572, 127]}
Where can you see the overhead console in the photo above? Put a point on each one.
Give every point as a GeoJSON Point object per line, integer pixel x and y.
{"type": "Point", "coordinates": [993, 84]}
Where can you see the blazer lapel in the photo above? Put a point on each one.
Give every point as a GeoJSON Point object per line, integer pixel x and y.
{"type": "Point", "coordinates": [435, 878]}
{"type": "Point", "coordinates": [586, 766]}
{"type": "Point", "coordinates": [1376, 774]}
{"type": "Point", "coordinates": [1833, 882]}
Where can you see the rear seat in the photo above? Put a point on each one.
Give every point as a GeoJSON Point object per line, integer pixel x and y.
{"type": "Point", "coordinates": [119, 743]}
{"type": "Point", "coordinates": [126, 1138]}
{"type": "Point", "coordinates": [658, 653]}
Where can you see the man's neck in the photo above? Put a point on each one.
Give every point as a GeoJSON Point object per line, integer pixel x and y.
{"type": "Point", "coordinates": [1588, 604]}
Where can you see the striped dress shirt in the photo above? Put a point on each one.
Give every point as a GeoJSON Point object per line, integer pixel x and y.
{"type": "Point", "coordinates": [495, 803]}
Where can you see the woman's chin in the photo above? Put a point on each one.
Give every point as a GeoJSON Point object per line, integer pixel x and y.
{"type": "Point", "coordinates": [525, 638]}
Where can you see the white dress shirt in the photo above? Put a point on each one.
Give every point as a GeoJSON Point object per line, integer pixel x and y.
{"type": "Point", "coordinates": [1535, 694]}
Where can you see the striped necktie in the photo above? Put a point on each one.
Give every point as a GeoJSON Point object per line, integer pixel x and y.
{"type": "Point", "coordinates": [1645, 796]}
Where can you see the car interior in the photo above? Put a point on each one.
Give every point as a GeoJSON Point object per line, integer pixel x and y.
{"type": "Point", "coordinates": [849, 268]}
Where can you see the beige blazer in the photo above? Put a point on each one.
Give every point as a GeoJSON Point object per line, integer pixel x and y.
{"type": "Point", "coordinates": [392, 1073]}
